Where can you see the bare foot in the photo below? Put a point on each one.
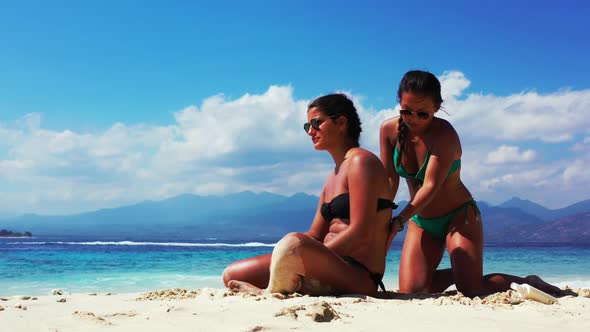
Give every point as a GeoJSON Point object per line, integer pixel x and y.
{"type": "Point", "coordinates": [244, 287]}
{"type": "Point", "coordinates": [546, 287]}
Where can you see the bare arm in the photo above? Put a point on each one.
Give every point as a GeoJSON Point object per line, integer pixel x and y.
{"type": "Point", "coordinates": [319, 226]}
{"type": "Point", "coordinates": [387, 141]}
{"type": "Point", "coordinates": [362, 188]}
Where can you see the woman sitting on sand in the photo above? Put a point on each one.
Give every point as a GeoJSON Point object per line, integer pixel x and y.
{"type": "Point", "coordinates": [344, 250]}
{"type": "Point", "coordinates": [425, 150]}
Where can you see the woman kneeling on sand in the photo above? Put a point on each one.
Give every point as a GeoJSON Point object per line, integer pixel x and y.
{"type": "Point", "coordinates": [344, 249]}
{"type": "Point", "coordinates": [426, 151]}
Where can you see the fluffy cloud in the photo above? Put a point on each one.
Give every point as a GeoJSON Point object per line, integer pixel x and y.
{"type": "Point", "coordinates": [256, 142]}
{"type": "Point", "coordinates": [510, 154]}
{"type": "Point", "coordinates": [576, 173]}
{"type": "Point", "coordinates": [582, 145]}
{"type": "Point", "coordinates": [522, 116]}
{"type": "Point", "coordinates": [453, 83]}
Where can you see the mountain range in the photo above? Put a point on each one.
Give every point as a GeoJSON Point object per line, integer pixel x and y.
{"type": "Point", "coordinates": [248, 216]}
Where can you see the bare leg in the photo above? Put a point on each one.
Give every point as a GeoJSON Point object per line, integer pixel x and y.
{"type": "Point", "coordinates": [465, 245]}
{"type": "Point", "coordinates": [421, 255]}
{"type": "Point", "coordinates": [303, 264]}
{"type": "Point", "coordinates": [500, 282]}
{"type": "Point", "coordinates": [254, 271]}
{"type": "Point", "coordinates": [541, 284]}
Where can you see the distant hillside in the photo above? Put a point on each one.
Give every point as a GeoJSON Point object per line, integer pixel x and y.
{"type": "Point", "coordinates": [187, 217]}
{"type": "Point", "coordinates": [267, 217]}
{"type": "Point", "coordinates": [570, 229]}
{"type": "Point", "coordinates": [496, 217]}
{"type": "Point", "coordinates": [528, 206]}
{"type": "Point", "coordinates": [542, 212]}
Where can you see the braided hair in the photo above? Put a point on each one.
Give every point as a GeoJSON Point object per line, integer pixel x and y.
{"type": "Point", "coordinates": [401, 138]}
{"type": "Point", "coordinates": [418, 82]}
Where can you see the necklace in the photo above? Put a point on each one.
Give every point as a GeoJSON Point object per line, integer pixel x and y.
{"type": "Point", "coordinates": [415, 139]}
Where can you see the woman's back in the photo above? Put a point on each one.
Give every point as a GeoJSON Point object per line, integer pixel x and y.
{"type": "Point", "coordinates": [362, 165]}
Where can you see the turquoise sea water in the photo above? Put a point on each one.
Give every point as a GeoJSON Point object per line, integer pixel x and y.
{"type": "Point", "coordinates": [35, 266]}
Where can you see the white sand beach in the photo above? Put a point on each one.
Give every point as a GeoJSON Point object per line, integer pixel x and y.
{"type": "Point", "coordinates": [222, 310]}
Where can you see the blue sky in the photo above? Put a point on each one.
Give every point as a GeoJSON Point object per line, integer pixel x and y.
{"type": "Point", "coordinates": [108, 103]}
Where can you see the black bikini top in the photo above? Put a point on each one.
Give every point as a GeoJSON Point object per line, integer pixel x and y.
{"type": "Point", "coordinates": [339, 207]}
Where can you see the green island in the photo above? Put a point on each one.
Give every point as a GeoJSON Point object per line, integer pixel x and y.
{"type": "Point", "coordinates": [6, 233]}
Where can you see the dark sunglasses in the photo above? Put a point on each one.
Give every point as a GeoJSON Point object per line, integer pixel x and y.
{"type": "Point", "coordinates": [421, 115]}
{"type": "Point", "coordinates": [313, 123]}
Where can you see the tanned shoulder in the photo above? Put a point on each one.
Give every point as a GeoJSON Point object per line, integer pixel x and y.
{"type": "Point", "coordinates": [364, 159]}
{"type": "Point", "coordinates": [389, 128]}
{"type": "Point", "coordinates": [446, 136]}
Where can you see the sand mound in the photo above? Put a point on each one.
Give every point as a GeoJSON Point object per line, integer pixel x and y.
{"type": "Point", "coordinates": [169, 294]}
{"type": "Point", "coordinates": [319, 312]}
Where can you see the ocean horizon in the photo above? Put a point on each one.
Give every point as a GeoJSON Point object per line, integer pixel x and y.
{"type": "Point", "coordinates": [35, 266]}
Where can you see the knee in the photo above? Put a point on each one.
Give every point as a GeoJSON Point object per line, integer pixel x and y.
{"type": "Point", "coordinates": [287, 266]}
{"type": "Point", "coordinates": [227, 274]}
{"type": "Point", "coordinates": [414, 284]}
{"type": "Point", "coordinates": [290, 243]}
{"type": "Point", "coordinates": [411, 288]}
{"type": "Point", "coordinates": [295, 236]}
{"type": "Point", "coordinates": [289, 251]}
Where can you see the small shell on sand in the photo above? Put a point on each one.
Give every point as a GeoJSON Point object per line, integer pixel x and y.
{"type": "Point", "coordinates": [20, 306]}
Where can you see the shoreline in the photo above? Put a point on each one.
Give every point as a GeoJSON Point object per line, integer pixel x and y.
{"type": "Point", "coordinates": [213, 309]}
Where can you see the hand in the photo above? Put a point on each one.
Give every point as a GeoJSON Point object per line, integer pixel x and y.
{"type": "Point", "coordinates": [398, 223]}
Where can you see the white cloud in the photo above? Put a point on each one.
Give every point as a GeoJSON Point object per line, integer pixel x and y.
{"type": "Point", "coordinates": [510, 154]}
{"type": "Point", "coordinates": [256, 142]}
{"type": "Point", "coordinates": [553, 117]}
{"type": "Point", "coordinates": [270, 121]}
{"type": "Point", "coordinates": [577, 173]}
{"type": "Point", "coordinates": [13, 166]}
{"type": "Point", "coordinates": [31, 121]}
{"type": "Point", "coordinates": [453, 83]}
{"type": "Point", "coordinates": [582, 145]}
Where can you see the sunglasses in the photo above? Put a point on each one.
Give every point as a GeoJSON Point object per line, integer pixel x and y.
{"type": "Point", "coordinates": [421, 115]}
{"type": "Point", "coordinates": [313, 123]}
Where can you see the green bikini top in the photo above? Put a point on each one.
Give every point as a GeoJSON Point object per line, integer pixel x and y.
{"type": "Point", "coordinates": [422, 172]}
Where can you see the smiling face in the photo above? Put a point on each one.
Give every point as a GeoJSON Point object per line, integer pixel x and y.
{"type": "Point", "coordinates": [328, 133]}
{"type": "Point", "coordinates": [417, 104]}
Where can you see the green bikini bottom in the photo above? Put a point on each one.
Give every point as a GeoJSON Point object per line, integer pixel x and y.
{"type": "Point", "coordinates": [438, 227]}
